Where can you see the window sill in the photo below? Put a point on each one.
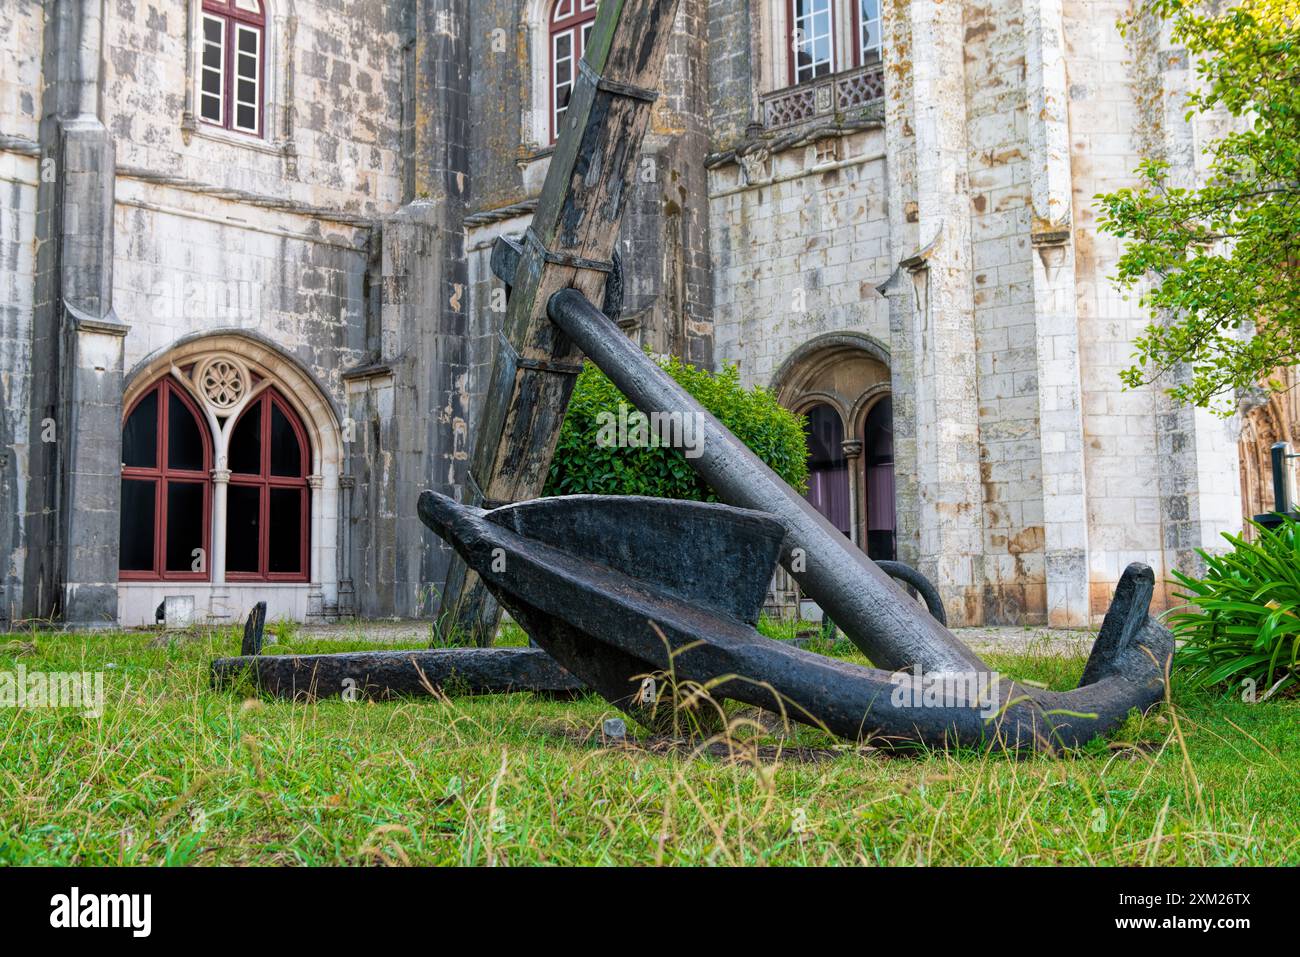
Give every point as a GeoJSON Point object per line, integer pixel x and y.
{"type": "Point", "coordinates": [530, 154]}
{"type": "Point", "coordinates": [192, 126]}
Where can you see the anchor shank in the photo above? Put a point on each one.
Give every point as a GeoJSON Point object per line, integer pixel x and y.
{"type": "Point", "coordinates": [890, 628]}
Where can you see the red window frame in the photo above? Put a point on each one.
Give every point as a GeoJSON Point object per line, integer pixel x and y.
{"type": "Point", "coordinates": [161, 475]}
{"type": "Point", "coordinates": [792, 55]}
{"type": "Point", "coordinates": [575, 18]}
{"type": "Point", "coordinates": [265, 481]}
{"type": "Point", "coordinates": [234, 17]}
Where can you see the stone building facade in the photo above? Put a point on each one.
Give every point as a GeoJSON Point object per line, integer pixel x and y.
{"type": "Point", "coordinates": [231, 234]}
{"type": "Point", "coordinates": [246, 312]}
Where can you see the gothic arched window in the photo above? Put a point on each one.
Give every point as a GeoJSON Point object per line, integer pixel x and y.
{"type": "Point", "coordinates": [232, 64]}
{"type": "Point", "coordinates": [166, 490]}
{"type": "Point", "coordinates": [570, 26]}
{"type": "Point", "coordinates": [267, 511]}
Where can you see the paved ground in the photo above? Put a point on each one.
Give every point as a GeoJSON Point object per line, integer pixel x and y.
{"type": "Point", "coordinates": [410, 633]}
{"type": "Point", "coordinates": [1035, 640]}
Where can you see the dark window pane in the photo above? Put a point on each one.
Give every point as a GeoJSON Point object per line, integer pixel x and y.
{"type": "Point", "coordinates": [211, 83]}
{"type": "Point", "coordinates": [825, 434]}
{"type": "Point", "coordinates": [243, 518]}
{"type": "Point", "coordinates": [286, 530]}
{"type": "Point", "coordinates": [246, 442]}
{"type": "Point", "coordinates": [247, 92]}
{"type": "Point", "coordinates": [247, 41]}
{"type": "Point", "coordinates": [246, 117]}
{"type": "Point", "coordinates": [212, 108]}
{"type": "Point", "coordinates": [185, 527]}
{"type": "Point", "coordinates": [212, 30]}
{"type": "Point", "coordinates": [878, 433]}
{"type": "Point", "coordinates": [286, 455]}
{"type": "Point", "coordinates": [140, 434]}
{"type": "Point", "coordinates": [184, 438]}
{"type": "Point", "coordinates": [137, 517]}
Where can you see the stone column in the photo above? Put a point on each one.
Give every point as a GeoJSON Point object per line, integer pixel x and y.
{"type": "Point", "coordinates": [220, 496]}
{"type": "Point", "coordinates": [417, 426]}
{"type": "Point", "coordinates": [72, 524]}
{"type": "Point", "coordinates": [1060, 395]}
{"type": "Point", "coordinates": [947, 414]}
{"type": "Point", "coordinates": [219, 594]}
{"type": "Point", "coordinates": [898, 290]}
{"type": "Point", "coordinates": [91, 432]}
{"type": "Point", "coordinates": [899, 293]}
{"type": "Point", "coordinates": [664, 238]}
{"type": "Point", "coordinates": [315, 596]}
{"type": "Point", "coordinates": [347, 605]}
{"type": "Point", "coordinates": [852, 449]}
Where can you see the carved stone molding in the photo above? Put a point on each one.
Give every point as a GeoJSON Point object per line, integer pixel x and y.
{"type": "Point", "coordinates": [223, 382]}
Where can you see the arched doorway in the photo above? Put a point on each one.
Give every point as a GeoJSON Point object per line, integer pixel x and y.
{"type": "Point", "coordinates": [840, 383]}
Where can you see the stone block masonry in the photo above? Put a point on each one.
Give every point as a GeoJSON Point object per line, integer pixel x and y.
{"type": "Point", "coordinates": [936, 246]}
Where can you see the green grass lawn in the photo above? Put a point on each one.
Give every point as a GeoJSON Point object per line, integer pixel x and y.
{"type": "Point", "coordinates": [175, 773]}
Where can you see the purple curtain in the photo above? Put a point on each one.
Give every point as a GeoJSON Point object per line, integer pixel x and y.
{"type": "Point", "coordinates": [878, 468]}
{"type": "Point", "coordinates": [828, 473]}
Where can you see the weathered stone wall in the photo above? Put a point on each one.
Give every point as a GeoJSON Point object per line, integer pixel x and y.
{"type": "Point", "coordinates": [21, 30]}
{"type": "Point", "coordinates": [1002, 120]}
{"type": "Point", "coordinates": [1160, 481]}
{"type": "Point", "coordinates": [799, 250]}
{"type": "Point", "coordinates": [172, 230]}
{"type": "Point", "coordinates": [664, 239]}
{"type": "Point", "coordinates": [333, 126]}
{"type": "Point", "coordinates": [955, 231]}
{"type": "Point", "coordinates": [273, 235]}
{"type": "Point", "coordinates": [179, 271]}
{"type": "Point", "coordinates": [1005, 320]}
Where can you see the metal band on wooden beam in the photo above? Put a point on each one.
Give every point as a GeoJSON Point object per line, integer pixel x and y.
{"type": "Point", "coordinates": [614, 86]}
{"type": "Point", "coordinates": [564, 259]}
{"type": "Point", "coordinates": [537, 365]}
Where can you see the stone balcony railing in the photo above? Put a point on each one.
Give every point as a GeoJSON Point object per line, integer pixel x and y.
{"type": "Point", "coordinates": [824, 97]}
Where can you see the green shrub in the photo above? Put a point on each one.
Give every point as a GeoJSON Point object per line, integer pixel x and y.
{"type": "Point", "coordinates": [583, 465]}
{"type": "Point", "coordinates": [1243, 623]}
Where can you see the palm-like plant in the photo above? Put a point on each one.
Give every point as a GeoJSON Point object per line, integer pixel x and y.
{"type": "Point", "coordinates": [1242, 623]}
